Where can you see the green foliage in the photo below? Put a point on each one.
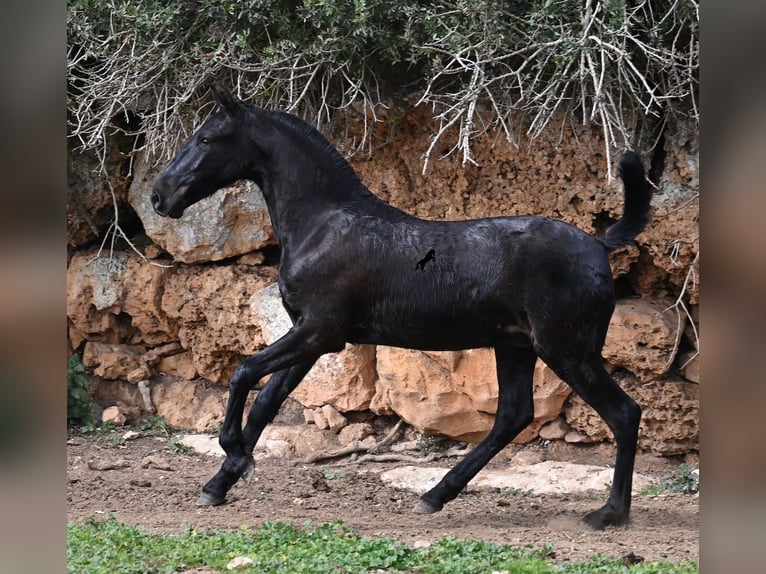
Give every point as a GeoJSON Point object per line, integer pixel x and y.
{"type": "Point", "coordinates": [177, 447]}
{"type": "Point", "coordinates": [77, 384]}
{"type": "Point", "coordinates": [110, 547]}
{"type": "Point", "coordinates": [509, 492]}
{"type": "Point", "coordinates": [145, 64]}
{"type": "Point", "coordinates": [685, 479]}
{"type": "Point", "coordinates": [155, 425]}
{"type": "Point", "coordinates": [330, 474]}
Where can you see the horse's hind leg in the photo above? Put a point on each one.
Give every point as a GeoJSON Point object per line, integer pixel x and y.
{"type": "Point", "coordinates": [515, 410]}
{"type": "Point", "coordinates": [622, 414]}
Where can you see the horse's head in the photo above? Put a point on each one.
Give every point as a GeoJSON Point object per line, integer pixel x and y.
{"type": "Point", "coordinates": [214, 157]}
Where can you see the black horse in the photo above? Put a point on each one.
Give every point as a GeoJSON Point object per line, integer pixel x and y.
{"type": "Point", "coordinates": [355, 269]}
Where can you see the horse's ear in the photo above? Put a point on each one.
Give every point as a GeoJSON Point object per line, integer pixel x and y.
{"type": "Point", "coordinates": [224, 99]}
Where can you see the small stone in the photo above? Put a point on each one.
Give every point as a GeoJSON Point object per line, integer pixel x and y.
{"type": "Point", "coordinates": [113, 415]}
{"type": "Point", "coordinates": [355, 432]}
{"type": "Point", "coordinates": [130, 435]}
{"type": "Point", "coordinates": [142, 373]}
{"type": "Point", "coordinates": [156, 462]}
{"type": "Point", "coordinates": [239, 562]}
{"type": "Point", "coordinates": [555, 430]}
{"type": "Point", "coordinates": [108, 465]}
{"type": "Point", "coordinates": [335, 420]}
{"type": "Point", "coordinates": [252, 258]}
{"type": "Point", "coordinates": [308, 416]}
{"type": "Point", "coordinates": [575, 437]}
{"type": "Point", "coordinates": [153, 251]}
{"type": "Point", "coordinates": [320, 420]}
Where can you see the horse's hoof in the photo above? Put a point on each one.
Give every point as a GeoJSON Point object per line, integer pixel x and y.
{"type": "Point", "coordinates": [206, 499]}
{"type": "Point", "coordinates": [424, 507]}
{"type": "Point", "coordinates": [603, 517]}
{"type": "Point", "coordinates": [249, 472]}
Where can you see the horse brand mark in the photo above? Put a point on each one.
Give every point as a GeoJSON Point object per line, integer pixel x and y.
{"type": "Point", "coordinates": [429, 257]}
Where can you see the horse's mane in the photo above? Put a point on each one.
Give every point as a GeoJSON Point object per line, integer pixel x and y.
{"type": "Point", "coordinates": [312, 139]}
{"type": "Point", "coordinates": [312, 136]}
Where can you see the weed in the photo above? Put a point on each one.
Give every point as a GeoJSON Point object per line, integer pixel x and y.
{"type": "Point", "coordinates": [685, 479]}
{"type": "Point", "coordinates": [509, 492]}
{"type": "Point", "coordinates": [177, 447]}
{"type": "Point", "coordinates": [107, 434]}
{"type": "Point", "coordinates": [330, 474]}
{"type": "Point", "coordinates": [428, 444]}
{"type": "Point", "coordinates": [155, 425]}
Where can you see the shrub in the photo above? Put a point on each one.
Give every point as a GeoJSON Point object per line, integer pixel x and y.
{"type": "Point", "coordinates": [77, 400]}
{"type": "Point", "coordinates": [514, 65]}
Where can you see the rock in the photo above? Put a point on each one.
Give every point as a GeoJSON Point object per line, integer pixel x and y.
{"type": "Point", "coordinates": [459, 403]}
{"type": "Point", "coordinates": [547, 477]}
{"type": "Point", "coordinates": [204, 310]}
{"type": "Point", "coordinates": [156, 462]}
{"type": "Point", "coordinates": [180, 365]}
{"type": "Point", "coordinates": [113, 415]}
{"type": "Point", "coordinates": [202, 444]}
{"type": "Point", "coordinates": [300, 439]}
{"type": "Point", "coordinates": [153, 251]}
{"type": "Point", "coordinates": [557, 429]}
{"type": "Point", "coordinates": [116, 299]}
{"type": "Point", "coordinates": [108, 464]}
{"type": "Point", "coordinates": [233, 221]}
{"type": "Point", "coordinates": [239, 562]}
{"type": "Point", "coordinates": [320, 420]}
{"type": "Point", "coordinates": [152, 356]}
{"type": "Point", "coordinates": [642, 337]}
{"type": "Point", "coordinates": [187, 405]}
{"type": "Point", "coordinates": [422, 391]}
{"type": "Point", "coordinates": [308, 416]}
{"type": "Point", "coordinates": [576, 437]}
{"type": "Point", "coordinates": [335, 420]}
{"type": "Point", "coordinates": [112, 361]}
{"type": "Point", "coordinates": [690, 365]}
{"type": "Point", "coordinates": [89, 207]}
{"type": "Point", "coordinates": [142, 373]}
{"type": "Point", "coordinates": [355, 432]}
{"type": "Point", "coordinates": [669, 422]}
{"type": "Point", "coordinates": [345, 380]}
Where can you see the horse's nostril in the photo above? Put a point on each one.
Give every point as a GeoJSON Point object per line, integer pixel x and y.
{"type": "Point", "coordinates": [155, 198]}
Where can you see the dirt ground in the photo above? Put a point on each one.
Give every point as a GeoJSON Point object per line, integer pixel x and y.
{"type": "Point", "coordinates": [144, 481]}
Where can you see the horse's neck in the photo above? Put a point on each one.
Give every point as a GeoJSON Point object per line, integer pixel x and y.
{"type": "Point", "coordinates": [306, 184]}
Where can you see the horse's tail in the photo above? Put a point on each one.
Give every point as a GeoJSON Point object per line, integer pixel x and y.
{"type": "Point", "coordinates": [638, 194]}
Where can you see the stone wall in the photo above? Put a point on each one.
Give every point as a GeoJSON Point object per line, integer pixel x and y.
{"type": "Point", "coordinates": [174, 323]}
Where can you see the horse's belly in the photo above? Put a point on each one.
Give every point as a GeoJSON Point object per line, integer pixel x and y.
{"type": "Point", "coordinates": [444, 331]}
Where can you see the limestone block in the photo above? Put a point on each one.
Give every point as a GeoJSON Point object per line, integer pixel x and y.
{"type": "Point", "coordinates": [669, 422]}
{"type": "Point", "coordinates": [180, 365]}
{"type": "Point", "coordinates": [112, 361]}
{"type": "Point", "coordinates": [642, 336]}
{"type": "Point", "coordinates": [335, 420]}
{"type": "Point", "coordinates": [438, 394]}
{"type": "Point", "coordinates": [231, 222]}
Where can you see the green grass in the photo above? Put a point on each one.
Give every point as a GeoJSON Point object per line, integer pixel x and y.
{"type": "Point", "coordinates": [107, 546]}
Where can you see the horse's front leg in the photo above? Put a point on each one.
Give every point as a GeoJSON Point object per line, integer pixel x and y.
{"type": "Point", "coordinates": [291, 349]}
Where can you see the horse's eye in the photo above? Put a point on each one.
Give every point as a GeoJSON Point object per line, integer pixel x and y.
{"type": "Point", "coordinates": [204, 140]}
